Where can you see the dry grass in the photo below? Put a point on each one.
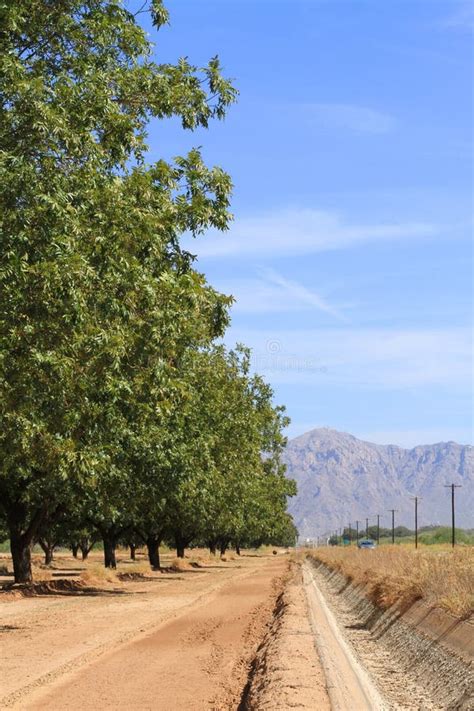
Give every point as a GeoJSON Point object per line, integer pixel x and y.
{"type": "Point", "coordinates": [440, 576]}
{"type": "Point", "coordinates": [198, 558]}
{"type": "Point", "coordinates": [96, 574]}
{"type": "Point", "coordinates": [229, 555]}
{"type": "Point", "coordinates": [138, 566]}
{"type": "Point", "coordinates": [41, 573]}
{"type": "Point", "coordinates": [179, 564]}
{"type": "Point", "coordinates": [200, 555]}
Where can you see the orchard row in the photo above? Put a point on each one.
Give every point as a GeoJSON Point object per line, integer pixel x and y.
{"type": "Point", "coordinates": [120, 414]}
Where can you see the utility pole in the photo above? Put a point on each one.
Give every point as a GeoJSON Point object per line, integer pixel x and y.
{"type": "Point", "coordinates": [416, 499]}
{"type": "Point", "coordinates": [350, 534]}
{"type": "Point", "coordinates": [378, 529]}
{"type": "Point", "coordinates": [366, 527]}
{"type": "Point", "coordinates": [453, 527]}
{"type": "Point", "coordinates": [357, 531]}
{"type": "Point", "coordinates": [393, 524]}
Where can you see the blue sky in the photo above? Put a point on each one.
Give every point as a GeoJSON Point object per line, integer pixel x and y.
{"type": "Point", "coordinates": [350, 254]}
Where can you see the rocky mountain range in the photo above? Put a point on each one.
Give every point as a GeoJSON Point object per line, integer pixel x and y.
{"type": "Point", "coordinates": [341, 478]}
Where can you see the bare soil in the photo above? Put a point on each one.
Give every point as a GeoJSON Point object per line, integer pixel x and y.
{"type": "Point", "coordinates": [287, 671]}
{"type": "Point", "coordinates": [169, 641]}
{"type": "Point", "coordinates": [247, 634]}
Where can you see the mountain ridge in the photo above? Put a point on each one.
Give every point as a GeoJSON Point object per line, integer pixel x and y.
{"type": "Point", "coordinates": [388, 444]}
{"type": "Point", "coordinates": [341, 477]}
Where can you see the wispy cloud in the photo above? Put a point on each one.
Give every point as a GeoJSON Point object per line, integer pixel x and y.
{"type": "Point", "coordinates": [271, 292]}
{"type": "Point", "coordinates": [295, 232]}
{"type": "Point", "coordinates": [358, 119]}
{"type": "Point", "coordinates": [461, 19]}
{"type": "Point", "coordinates": [302, 294]}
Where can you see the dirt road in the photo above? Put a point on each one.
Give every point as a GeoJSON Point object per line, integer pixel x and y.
{"type": "Point", "coordinates": [250, 634]}
{"type": "Point", "coordinates": [179, 641]}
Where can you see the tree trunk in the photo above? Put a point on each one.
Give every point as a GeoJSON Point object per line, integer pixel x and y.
{"type": "Point", "coordinates": [74, 549]}
{"type": "Point", "coordinates": [21, 555]}
{"type": "Point", "coordinates": [212, 548]}
{"type": "Point", "coordinates": [153, 548]}
{"type": "Point", "coordinates": [223, 547]}
{"type": "Point", "coordinates": [86, 546]}
{"type": "Point", "coordinates": [132, 551]}
{"type": "Point", "coordinates": [22, 535]}
{"type": "Point", "coordinates": [48, 550]}
{"type": "Point", "coordinates": [109, 541]}
{"type": "Point", "coordinates": [180, 543]}
{"type": "Point", "coordinates": [237, 549]}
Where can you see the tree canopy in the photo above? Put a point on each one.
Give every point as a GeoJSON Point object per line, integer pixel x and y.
{"type": "Point", "coordinates": [110, 383]}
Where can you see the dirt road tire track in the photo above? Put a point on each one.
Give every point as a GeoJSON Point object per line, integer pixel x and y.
{"type": "Point", "coordinates": [45, 638]}
{"type": "Point", "coordinates": [199, 660]}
